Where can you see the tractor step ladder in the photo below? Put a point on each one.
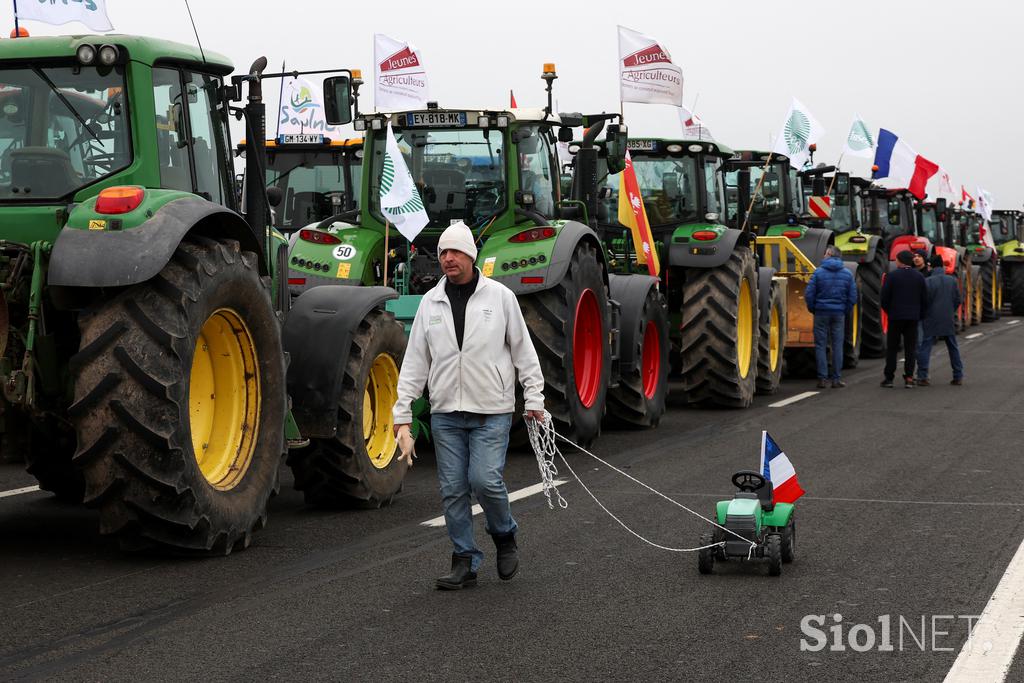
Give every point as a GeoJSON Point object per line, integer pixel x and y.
{"type": "Point", "coordinates": [789, 262]}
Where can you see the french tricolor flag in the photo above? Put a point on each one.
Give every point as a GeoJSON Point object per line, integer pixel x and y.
{"type": "Point", "coordinates": [776, 468]}
{"type": "Point", "coordinates": [896, 159]}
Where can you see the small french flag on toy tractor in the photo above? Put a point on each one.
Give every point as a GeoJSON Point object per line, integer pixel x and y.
{"type": "Point", "coordinates": [759, 522]}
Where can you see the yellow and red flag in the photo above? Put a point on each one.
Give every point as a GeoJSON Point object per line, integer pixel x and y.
{"type": "Point", "coordinates": [633, 215]}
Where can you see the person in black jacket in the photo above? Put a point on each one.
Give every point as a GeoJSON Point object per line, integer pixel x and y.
{"type": "Point", "coordinates": [939, 323]}
{"type": "Point", "coordinates": [905, 301]}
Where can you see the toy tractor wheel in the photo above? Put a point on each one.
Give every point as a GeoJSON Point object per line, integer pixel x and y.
{"type": "Point", "coordinates": [872, 344]}
{"type": "Point", "coordinates": [706, 556]}
{"type": "Point", "coordinates": [48, 459]}
{"type": "Point", "coordinates": [1016, 276]}
{"type": "Point", "coordinates": [639, 400]}
{"type": "Point", "coordinates": [789, 540]}
{"type": "Point", "coordinates": [773, 551]}
{"type": "Point", "coordinates": [771, 340]}
{"type": "Point", "coordinates": [989, 292]}
{"type": "Point", "coordinates": [358, 467]}
{"type": "Point", "coordinates": [569, 326]}
{"type": "Point", "coordinates": [853, 333]}
{"type": "Point", "coordinates": [720, 332]}
{"type": "Point", "coordinates": [179, 403]}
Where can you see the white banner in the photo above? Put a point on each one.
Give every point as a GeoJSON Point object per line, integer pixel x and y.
{"type": "Point", "coordinates": [646, 72]}
{"type": "Point", "coordinates": [399, 201]}
{"type": "Point", "coordinates": [859, 141]}
{"type": "Point", "coordinates": [92, 13]}
{"type": "Point", "coordinates": [301, 109]}
{"type": "Point", "coordinates": [799, 131]}
{"type": "Point", "coordinates": [985, 204]}
{"type": "Point", "coordinates": [693, 126]}
{"type": "Point", "coordinates": [399, 78]}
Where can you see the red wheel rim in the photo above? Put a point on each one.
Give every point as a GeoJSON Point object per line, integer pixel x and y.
{"type": "Point", "coordinates": [651, 364]}
{"type": "Point", "coordinates": [587, 348]}
{"type": "Point", "coordinates": [882, 314]}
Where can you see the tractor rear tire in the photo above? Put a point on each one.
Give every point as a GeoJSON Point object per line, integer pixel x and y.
{"type": "Point", "coordinates": [706, 556]}
{"type": "Point", "coordinates": [1016, 281]}
{"type": "Point", "coordinates": [872, 343]}
{"type": "Point", "coordinates": [978, 304]}
{"type": "Point", "coordinates": [179, 403]}
{"type": "Point", "coordinates": [989, 292]}
{"type": "Point", "coordinates": [789, 540]}
{"type": "Point", "coordinates": [773, 551]}
{"type": "Point", "coordinates": [853, 332]}
{"type": "Point", "coordinates": [720, 332]}
{"type": "Point", "coordinates": [48, 458]}
{"type": "Point", "coordinates": [357, 467]}
{"type": "Point", "coordinates": [569, 325]}
{"type": "Point", "coordinates": [963, 311]}
{"type": "Point", "coordinates": [639, 400]}
{"type": "Point", "coordinates": [771, 339]}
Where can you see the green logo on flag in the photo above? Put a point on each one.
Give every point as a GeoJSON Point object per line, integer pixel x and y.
{"type": "Point", "coordinates": [860, 138]}
{"type": "Point", "coordinates": [387, 181]}
{"type": "Point", "coordinates": [798, 129]}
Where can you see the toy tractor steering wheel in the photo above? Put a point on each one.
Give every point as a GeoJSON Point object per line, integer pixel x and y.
{"type": "Point", "coordinates": [747, 480]}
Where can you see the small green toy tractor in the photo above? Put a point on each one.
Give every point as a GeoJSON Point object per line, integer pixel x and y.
{"type": "Point", "coordinates": [760, 528]}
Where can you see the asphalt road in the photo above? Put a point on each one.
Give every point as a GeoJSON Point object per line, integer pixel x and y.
{"type": "Point", "coordinates": [913, 510]}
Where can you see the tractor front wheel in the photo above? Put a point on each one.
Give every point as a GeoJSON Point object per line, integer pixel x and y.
{"type": "Point", "coordinates": [771, 340]}
{"type": "Point", "coordinates": [872, 330]}
{"type": "Point", "coordinates": [989, 292]}
{"type": "Point", "coordinates": [179, 403]}
{"type": "Point", "coordinates": [639, 400]}
{"type": "Point", "coordinates": [358, 467]}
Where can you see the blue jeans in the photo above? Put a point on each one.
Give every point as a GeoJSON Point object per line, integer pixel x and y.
{"type": "Point", "coordinates": [829, 325]}
{"type": "Point", "coordinates": [925, 352]}
{"type": "Point", "coordinates": [470, 451]}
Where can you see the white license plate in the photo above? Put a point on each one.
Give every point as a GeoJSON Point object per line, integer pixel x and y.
{"type": "Point", "coordinates": [300, 139]}
{"type": "Point", "coordinates": [435, 118]}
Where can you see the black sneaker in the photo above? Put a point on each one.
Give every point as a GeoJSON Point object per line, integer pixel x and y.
{"type": "Point", "coordinates": [886, 384]}
{"type": "Point", "coordinates": [956, 382]}
{"type": "Point", "coordinates": [838, 384]}
{"type": "Point", "coordinates": [822, 384]}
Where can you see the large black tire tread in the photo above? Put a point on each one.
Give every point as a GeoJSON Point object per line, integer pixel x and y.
{"type": "Point", "coordinates": [963, 311]}
{"type": "Point", "coordinates": [338, 472]}
{"type": "Point", "coordinates": [131, 404]}
{"type": "Point", "coordinates": [989, 311]}
{"type": "Point", "coordinates": [872, 344]}
{"type": "Point", "coordinates": [628, 403]}
{"type": "Point", "coordinates": [710, 363]}
{"type": "Point", "coordinates": [48, 458]}
{"type": "Point", "coordinates": [550, 316]}
{"type": "Point", "coordinates": [768, 377]}
{"type": "Point", "coordinates": [978, 304]}
{"type": "Point", "coordinates": [1016, 283]}
{"type": "Point", "coordinates": [851, 344]}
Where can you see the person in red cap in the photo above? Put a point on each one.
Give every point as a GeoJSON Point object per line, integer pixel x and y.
{"type": "Point", "coordinates": [467, 343]}
{"type": "Point", "coordinates": [905, 301]}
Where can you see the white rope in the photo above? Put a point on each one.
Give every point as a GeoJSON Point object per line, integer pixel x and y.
{"type": "Point", "coordinates": [543, 440]}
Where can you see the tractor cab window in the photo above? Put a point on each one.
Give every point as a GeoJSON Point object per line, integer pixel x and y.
{"type": "Point", "coordinates": [459, 173]}
{"type": "Point", "coordinates": [61, 129]}
{"type": "Point", "coordinates": [929, 225]}
{"type": "Point", "coordinates": [536, 172]}
{"type": "Point", "coordinates": [171, 131]}
{"type": "Point", "coordinates": [714, 192]}
{"type": "Point", "coordinates": [313, 184]}
{"type": "Point", "coordinates": [796, 195]}
{"type": "Point", "coordinates": [669, 189]}
{"type": "Point", "coordinates": [1000, 230]}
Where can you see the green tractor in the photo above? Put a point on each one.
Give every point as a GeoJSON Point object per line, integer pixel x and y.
{"type": "Point", "coordinates": [601, 337]}
{"type": "Point", "coordinates": [986, 259]}
{"type": "Point", "coordinates": [141, 314]}
{"type": "Point", "coordinates": [1007, 231]}
{"type": "Point", "coordinates": [728, 317]}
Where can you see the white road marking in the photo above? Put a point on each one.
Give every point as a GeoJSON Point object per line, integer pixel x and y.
{"type": "Point", "coordinates": [992, 642]}
{"type": "Point", "coordinates": [515, 495]}
{"type": "Point", "coordinates": [18, 492]}
{"type": "Point", "coordinates": [975, 335]}
{"type": "Point", "coordinates": [1012, 322]}
{"type": "Point", "coordinates": [793, 399]}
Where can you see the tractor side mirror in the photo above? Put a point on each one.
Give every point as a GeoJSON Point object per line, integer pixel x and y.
{"type": "Point", "coordinates": [770, 186]}
{"type": "Point", "coordinates": [842, 183]}
{"type": "Point", "coordinates": [818, 186]}
{"type": "Point", "coordinates": [274, 195]}
{"type": "Point", "coordinates": [615, 144]}
{"type": "Point", "coordinates": [338, 100]}
{"type": "Point", "coordinates": [565, 134]}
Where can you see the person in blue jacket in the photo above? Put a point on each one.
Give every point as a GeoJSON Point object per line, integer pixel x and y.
{"type": "Point", "coordinates": [830, 296]}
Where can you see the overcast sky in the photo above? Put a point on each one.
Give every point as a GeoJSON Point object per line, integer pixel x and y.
{"type": "Point", "coordinates": [944, 76]}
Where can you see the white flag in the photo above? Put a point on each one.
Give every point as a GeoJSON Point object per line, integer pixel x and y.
{"type": "Point", "coordinates": [92, 13]}
{"type": "Point", "coordinates": [400, 81]}
{"type": "Point", "coordinates": [799, 131]}
{"type": "Point", "coordinates": [399, 201]}
{"type": "Point", "coordinates": [859, 141]}
{"type": "Point", "coordinates": [693, 126]}
{"type": "Point", "coordinates": [301, 109]}
{"type": "Point", "coordinates": [985, 205]}
{"type": "Point", "coordinates": [646, 71]}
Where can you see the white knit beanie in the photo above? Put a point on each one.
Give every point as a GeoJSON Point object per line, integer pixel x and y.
{"type": "Point", "coordinates": [457, 236]}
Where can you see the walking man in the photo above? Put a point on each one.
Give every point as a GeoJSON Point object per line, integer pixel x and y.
{"type": "Point", "coordinates": [831, 295]}
{"type": "Point", "coordinates": [905, 300]}
{"type": "Point", "coordinates": [467, 343]}
{"type": "Point", "coordinates": [939, 322]}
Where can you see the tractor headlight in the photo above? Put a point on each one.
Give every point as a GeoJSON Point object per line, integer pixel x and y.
{"type": "Point", "coordinates": [108, 55]}
{"type": "Point", "coordinates": [86, 54]}
{"type": "Point", "coordinates": [377, 124]}
{"type": "Point", "coordinates": [359, 124]}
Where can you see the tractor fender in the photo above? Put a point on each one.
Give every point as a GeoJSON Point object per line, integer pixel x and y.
{"type": "Point", "coordinates": [764, 292]}
{"type": "Point", "coordinates": [983, 256]}
{"type": "Point", "coordinates": [874, 244]}
{"type": "Point", "coordinates": [117, 258]}
{"type": "Point", "coordinates": [630, 291]}
{"type": "Point", "coordinates": [813, 244]}
{"type": "Point", "coordinates": [316, 336]}
{"type": "Point", "coordinates": [709, 255]}
{"type": "Point", "coordinates": [569, 235]}
{"type": "Point", "coordinates": [851, 266]}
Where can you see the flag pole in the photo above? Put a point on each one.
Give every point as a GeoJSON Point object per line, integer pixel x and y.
{"type": "Point", "coordinates": [387, 233]}
{"type": "Point", "coordinates": [280, 97]}
{"type": "Point", "coordinates": [834, 173]}
{"type": "Point", "coordinates": [17, 31]}
{"type": "Point", "coordinates": [757, 189]}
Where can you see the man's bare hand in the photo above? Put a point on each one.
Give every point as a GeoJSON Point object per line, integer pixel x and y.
{"type": "Point", "coordinates": [535, 415]}
{"type": "Point", "coordinates": [406, 443]}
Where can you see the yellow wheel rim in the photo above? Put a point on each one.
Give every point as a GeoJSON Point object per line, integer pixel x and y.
{"type": "Point", "coordinates": [224, 399]}
{"type": "Point", "coordinates": [744, 332]}
{"type": "Point", "coordinates": [774, 337]}
{"type": "Point", "coordinates": [378, 399]}
{"type": "Point", "coordinates": [995, 292]}
{"type": "Point", "coordinates": [978, 299]}
{"type": "Point", "coordinates": [855, 325]}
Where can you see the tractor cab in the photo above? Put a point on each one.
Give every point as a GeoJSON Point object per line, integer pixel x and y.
{"type": "Point", "coordinates": [1006, 226]}
{"type": "Point", "coordinates": [317, 177]}
{"type": "Point", "coordinates": [777, 202]}
{"type": "Point", "coordinates": [890, 214]}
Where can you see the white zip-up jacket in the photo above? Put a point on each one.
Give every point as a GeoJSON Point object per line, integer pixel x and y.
{"type": "Point", "coordinates": [481, 377]}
